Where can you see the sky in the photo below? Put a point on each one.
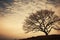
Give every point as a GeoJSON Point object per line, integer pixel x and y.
{"type": "Point", "coordinates": [13, 13]}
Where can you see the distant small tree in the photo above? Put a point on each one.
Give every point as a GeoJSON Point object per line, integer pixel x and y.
{"type": "Point", "coordinates": [43, 20]}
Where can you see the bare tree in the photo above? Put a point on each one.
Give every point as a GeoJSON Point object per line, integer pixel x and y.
{"type": "Point", "coordinates": [43, 20]}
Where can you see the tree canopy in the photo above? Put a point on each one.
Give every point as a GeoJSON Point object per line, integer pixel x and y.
{"type": "Point", "coordinates": [43, 20]}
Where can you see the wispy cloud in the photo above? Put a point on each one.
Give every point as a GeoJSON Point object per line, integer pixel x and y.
{"type": "Point", "coordinates": [26, 6]}
{"type": "Point", "coordinates": [54, 2]}
{"type": "Point", "coordinates": [4, 2]}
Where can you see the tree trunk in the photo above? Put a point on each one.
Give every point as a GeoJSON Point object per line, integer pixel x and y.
{"type": "Point", "coordinates": [46, 33]}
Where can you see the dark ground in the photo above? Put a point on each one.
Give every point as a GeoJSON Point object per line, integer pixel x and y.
{"type": "Point", "coordinates": [50, 37]}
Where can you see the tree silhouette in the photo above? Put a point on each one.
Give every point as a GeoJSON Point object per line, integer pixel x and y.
{"type": "Point", "coordinates": [43, 20]}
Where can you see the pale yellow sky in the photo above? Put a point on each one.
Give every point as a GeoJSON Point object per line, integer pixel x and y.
{"type": "Point", "coordinates": [11, 24]}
